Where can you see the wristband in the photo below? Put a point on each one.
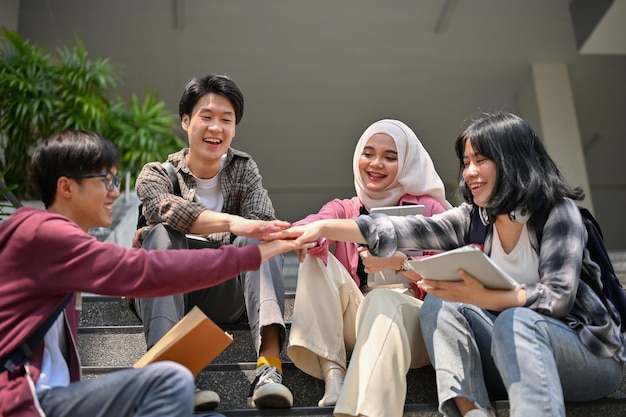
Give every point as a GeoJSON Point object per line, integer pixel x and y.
{"type": "Point", "coordinates": [404, 266]}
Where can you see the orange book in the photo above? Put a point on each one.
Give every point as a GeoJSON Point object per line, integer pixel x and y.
{"type": "Point", "coordinates": [194, 342]}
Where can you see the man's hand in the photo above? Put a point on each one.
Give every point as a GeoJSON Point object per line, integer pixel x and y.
{"type": "Point", "coordinates": [276, 247]}
{"type": "Point", "coordinates": [256, 228]}
{"type": "Point", "coordinates": [137, 240]}
{"type": "Point", "coordinates": [307, 233]}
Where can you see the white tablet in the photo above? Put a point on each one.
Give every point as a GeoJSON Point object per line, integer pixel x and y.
{"type": "Point", "coordinates": [445, 266]}
{"type": "Point", "coordinates": [408, 210]}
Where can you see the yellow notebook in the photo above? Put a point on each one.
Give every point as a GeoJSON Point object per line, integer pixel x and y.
{"type": "Point", "coordinates": [194, 342]}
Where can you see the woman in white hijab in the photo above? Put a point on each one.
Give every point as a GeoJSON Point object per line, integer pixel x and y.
{"type": "Point", "coordinates": [332, 320]}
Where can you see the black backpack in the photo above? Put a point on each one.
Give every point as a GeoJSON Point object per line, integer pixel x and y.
{"type": "Point", "coordinates": [193, 241]}
{"type": "Point", "coordinates": [141, 219]}
{"type": "Point", "coordinates": [611, 289]}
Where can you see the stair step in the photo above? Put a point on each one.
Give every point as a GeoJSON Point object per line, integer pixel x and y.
{"type": "Point", "coordinates": [111, 338]}
{"type": "Point", "coordinates": [101, 310]}
{"type": "Point", "coordinates": [232, 382]}
{"type": "Point", "coordinates": [111, 347]}
{"type": "Point", "coordinates": [604, 408]}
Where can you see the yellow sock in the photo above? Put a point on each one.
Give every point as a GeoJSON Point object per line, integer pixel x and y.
{"type": "Point", "coordinates": [271, 361]}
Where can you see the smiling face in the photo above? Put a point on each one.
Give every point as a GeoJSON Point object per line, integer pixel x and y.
{"type": "Point", "coordinates": [210, 130]}
{"type": "Point", "coordinates": [92, 203]}
{"type": "Point", "coordinates": [378, 164]}
{"type": "Point", "coordinates": [479, 174]}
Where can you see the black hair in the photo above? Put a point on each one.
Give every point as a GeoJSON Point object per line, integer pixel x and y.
{"type": "Point", "coordinates": [211, 83]}
{"type": "Point", "coordinates": [69, 153]}
{"type": "Point", "coordinates": [526, 177]}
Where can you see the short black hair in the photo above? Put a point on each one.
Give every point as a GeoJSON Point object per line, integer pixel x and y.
{"type": "Point", "coordinates": [526, 177]}
{"type": "Point", "coordinates": [69, 153]}
{"type": "Point", "coordinates": [211, 83]}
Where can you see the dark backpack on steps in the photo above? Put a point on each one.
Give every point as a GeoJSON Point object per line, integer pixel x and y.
{"type": "Point", "coordinates": [611, 289]}
{"type": "Point", "coordinates": [141, 219]}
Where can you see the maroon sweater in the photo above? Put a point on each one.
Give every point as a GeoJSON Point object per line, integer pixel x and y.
{"type": "Point", "coordinates": [45, 256]}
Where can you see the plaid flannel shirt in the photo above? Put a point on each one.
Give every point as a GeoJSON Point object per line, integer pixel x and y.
{"type": "Point", "coordinates": [563, 257]}
{"type": "Point", "coordinates": [240, 182]}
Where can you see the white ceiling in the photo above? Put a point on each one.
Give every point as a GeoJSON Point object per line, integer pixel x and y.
{"type": "Point", "coordinates": [315, 74]}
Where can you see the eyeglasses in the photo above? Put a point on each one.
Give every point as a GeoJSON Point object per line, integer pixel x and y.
{"type": "Point", "coordinates": [110, 180]}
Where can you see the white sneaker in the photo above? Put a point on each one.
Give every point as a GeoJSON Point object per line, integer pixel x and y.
{"type": "Point", "coordinates": [268, 391]}
{"type": "Point", "coordinates": [205, 400]}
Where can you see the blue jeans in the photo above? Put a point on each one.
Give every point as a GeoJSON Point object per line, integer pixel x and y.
{"type": "Point", "coordinates": [160, 389]}
{"type": "Point", "coordinates": [538, 360]}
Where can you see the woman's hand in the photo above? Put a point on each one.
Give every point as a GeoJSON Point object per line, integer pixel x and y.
{"type": "Point", "coordinates": [307, 233]}
{"type": "Point", "coordinates": [375, 264]}
{"type": "Point", "coordinates": [276, 247]}
{"type": "Point", "coordinates": [341, 230]}
{"type": "Point", "coordinates": [470, 291]}
{"type": "Point", "coordinates": [255, 228]}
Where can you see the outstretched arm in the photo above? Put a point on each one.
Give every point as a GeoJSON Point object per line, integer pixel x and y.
{"type": "Point", "coordinates": [213, 222]}
{"type": "Point", "coordinates": [342, 230]}
{"type": "Point", "coordinates": [276, 247]}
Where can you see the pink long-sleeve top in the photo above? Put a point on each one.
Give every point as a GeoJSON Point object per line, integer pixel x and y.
{"type": "Point", "coordinates": [346, 252]}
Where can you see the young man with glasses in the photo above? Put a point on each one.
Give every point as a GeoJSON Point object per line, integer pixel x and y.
{"type": "Point", "coordinates": [220, 190]}
{"type": "Point", "coordinates": [110, 180]}
{"type": "Point", "coordinates": [47, 255]}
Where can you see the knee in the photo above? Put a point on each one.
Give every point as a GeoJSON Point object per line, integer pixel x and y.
{"type": "Point", "coordinates": [172, 375]}
{"type": "Point", "coordinates": [430, 310]}
{"type": "Point", "coordinates": [275, 262]}
{"type": "Point", "coordinates": [380, 297]}
{"type": "Point", "coordinates": [163, 237]}
{"type": "Point", "coordinates": [241, 241]}
{"type": "Point", "coordinates": [512, 323]}
{"type": "Point", "coordinates": [513, 319]}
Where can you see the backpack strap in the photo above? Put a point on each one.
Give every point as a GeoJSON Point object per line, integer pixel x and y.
{"type": "Point", "coordinates": [141, 219]}
{"type": "Point", "coordinates": [25, 351]}
{"type": "Point", "coordinates": [478, 230]}
{"type": "Point", "coordinates": [173, 177]}
{"type": "Point", "coordinates": [611, 288]}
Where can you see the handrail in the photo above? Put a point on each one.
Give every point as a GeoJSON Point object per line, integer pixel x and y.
{"type": "Point", "coordinates": [10, 196]}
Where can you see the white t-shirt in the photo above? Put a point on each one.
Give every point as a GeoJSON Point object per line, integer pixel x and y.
{"type": "Point", "coordinates": [208, 192]}
{"type": "Point", "coordinates": [54, 369]}
{"type": "Point", "coordinates": [522, 263]}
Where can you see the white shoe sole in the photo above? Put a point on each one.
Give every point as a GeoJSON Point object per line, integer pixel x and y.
{"type": "Point", "coordinates": [271, 396]}
{"type": "Point", "coordinates": [206, 400]}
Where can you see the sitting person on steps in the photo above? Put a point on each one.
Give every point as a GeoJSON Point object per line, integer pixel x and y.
{"type": "Point", "coordinates": [221, 193]}
{"type": "Point", "coordinates": [47, 257]}
{"type": "Point", "coordinates": [391, 167]}
{"type": "Point", "coordinates": [547, 341]}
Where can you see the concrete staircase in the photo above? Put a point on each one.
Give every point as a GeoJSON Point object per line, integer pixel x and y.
{"type": "Point", "coordinates": [111, 338]}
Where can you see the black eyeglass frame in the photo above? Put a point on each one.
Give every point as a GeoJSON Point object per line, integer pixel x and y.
{"type": "Point", "coordinates": [116, 180]}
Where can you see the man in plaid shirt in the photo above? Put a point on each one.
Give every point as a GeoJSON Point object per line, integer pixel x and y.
{"type": "Point", "coordinates": [222, 198]}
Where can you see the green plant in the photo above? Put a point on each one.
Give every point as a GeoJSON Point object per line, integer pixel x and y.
{"type": "Point", "coordinates": [142, 131]}
{"type": "Point", "coordinates": [41, 94]}
{"type": "Point", "coordinates": [7, 199]}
